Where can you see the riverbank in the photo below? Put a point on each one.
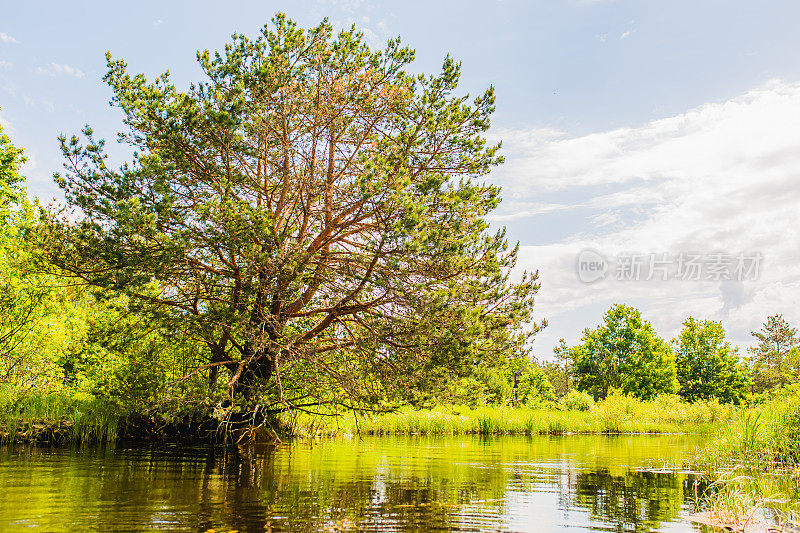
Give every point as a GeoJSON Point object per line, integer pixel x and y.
{"type": "Point", "coordinates": [58, 419]}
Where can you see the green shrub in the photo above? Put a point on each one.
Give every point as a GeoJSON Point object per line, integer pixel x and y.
{"type": "Point", "coordinates": [577, 401]}
{"type": "Point", "coordinates": [785, 430]}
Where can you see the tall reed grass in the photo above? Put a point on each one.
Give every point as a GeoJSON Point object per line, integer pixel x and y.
{"type": "Point", "coordinates": [615, 414]}
{"type": "Point", "coordinates": [58, 417]}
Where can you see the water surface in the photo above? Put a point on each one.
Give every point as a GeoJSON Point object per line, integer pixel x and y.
{"type": "Point", "coordinates": [544, 483]}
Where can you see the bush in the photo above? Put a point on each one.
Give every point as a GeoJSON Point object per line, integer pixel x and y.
{"type": "Point", "coordinates": [785, 430]}
{"type": "Point", "coordinates": [577, 401]}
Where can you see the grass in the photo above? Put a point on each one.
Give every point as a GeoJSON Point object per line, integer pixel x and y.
{"type": "Point", "coordinates": [616, 414]}
{"type": "Point", "coordinates": [754, 466]}
{"type": "Point", "coordinates": [58, 417]}
{"type": "Point", "coordinates": [744, 499]}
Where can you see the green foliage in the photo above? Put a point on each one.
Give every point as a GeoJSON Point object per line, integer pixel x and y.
{"type": "Point", "coordinates": [576, 400]}
{"type": "Point", "coordinates": [58, 417]}
{"type": "Point", "coordinates": [755, 462]}
{"type": "Point", "coordinates": [707, 365]}
{"type": "Point", "coordinates": [560, 371]}
{"type": "Point", "coordinates": [750, 426]}
{"type": "Point", "coordinates": [764, 437]}
{"type": "Point", "coordinates": [785, 430]}
{"type": "Point", "coordinates": [534, 387]}
{"type": "Point", "coordinates": [11, 160]}
{"type": "Point", "coordinates": [36, 320]}
{"type": "Point", "coordinates": [127, 360]}
{"type": "Point", "coordinates": [517, 381]}
{"type": "Point", "coordinates": [625, 353]}
{"type": "Point", "coordinates": [71, 359]}
{"type": "Point", "coordinates": [484, 386]}
{"type": "Point", "coordinates": [775, 359]}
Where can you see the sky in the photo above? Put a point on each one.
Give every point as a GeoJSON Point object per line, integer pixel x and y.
{"type": "Point", "coordinates": [652, 147]}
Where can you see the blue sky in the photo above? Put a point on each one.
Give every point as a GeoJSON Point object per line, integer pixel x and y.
{"type": "Point", "coordinates": [629, 126]}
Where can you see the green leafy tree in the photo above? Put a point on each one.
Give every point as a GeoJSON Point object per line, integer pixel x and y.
{"type": "Point", "coordinates": [57, 338]}
{"type": "Point", "coordinates": [11, 160]}
{"type": "Point", "coordinates": [310, 212]}
{"type": "Point", "coordinates": [623, 353]}
{"type": "Point", "coordinates": [19, 298]}
{"type": "Point", "coordinates": [534, 386]}
{"type": "Point", "coordinates": [707, 365]}
{"type": "Point", "coordinates": [485, 385]}
{"type": "Point", "coordinates": [559, 372]}
{"type": "Point", "coordinates": [773, 364]}
{"type": "Point", "coordinates": [38, 321]}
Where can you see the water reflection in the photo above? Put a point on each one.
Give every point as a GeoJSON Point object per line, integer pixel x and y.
{"type": "Point", "coordinates": [635, 501]}
{"type": "Point", "coordinates": [570, 483]}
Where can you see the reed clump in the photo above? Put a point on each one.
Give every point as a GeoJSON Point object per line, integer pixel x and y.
{"type": "Point", "coordinates": [58, 418]}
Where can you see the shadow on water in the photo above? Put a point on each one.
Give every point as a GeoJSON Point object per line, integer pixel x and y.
{"type": "Point", "coordinates": [566, 483]}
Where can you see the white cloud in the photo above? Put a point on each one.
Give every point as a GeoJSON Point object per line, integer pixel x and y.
{"type": "Point", "coordinates": [53, 69]}
{"type": "Point", "coordinates": [523, 210]}
{"type": "Point", "coordinates": [6, 64]}
{"type": "Point", "coordinates": [625, 35]}
{"type": "Point", "coordinates": [721, 177]}
{"type": "Point", "coordinates": [6, 38]}
{"type": "Point", "coordinates": [375, 33]}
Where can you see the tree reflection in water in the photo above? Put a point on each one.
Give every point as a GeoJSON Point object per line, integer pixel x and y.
{"type": "Point", "coordinates": [634, 501]}
{"type": "Point", "coordinates": [382, 484]}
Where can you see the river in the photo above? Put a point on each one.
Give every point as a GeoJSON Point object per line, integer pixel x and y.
{"type": "Point", "coordinates": [544, 483]}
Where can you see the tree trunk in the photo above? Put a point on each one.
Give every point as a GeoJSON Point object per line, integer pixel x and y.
{"type": "Point", "coordinates": [217, 356]}
{"type": "Point", "coordinates": [255, 373]}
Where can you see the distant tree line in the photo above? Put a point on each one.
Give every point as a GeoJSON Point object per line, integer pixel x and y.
{"type": "Point", "coordinates": [625, 353]}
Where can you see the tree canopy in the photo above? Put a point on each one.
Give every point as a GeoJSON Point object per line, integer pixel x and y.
{"type": "Point", "coordinates": [774, 360]}
{"type": "Point", "coordinates": [19, 298]}
{"type": "Point", "coordinates": [11, 160]}
{"type": "Point", "coordinates": [623, 353]}
{"type": "Point", "coordinates": [311, 212]}
{"type": "Point", "coordinates": [707, 365]}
